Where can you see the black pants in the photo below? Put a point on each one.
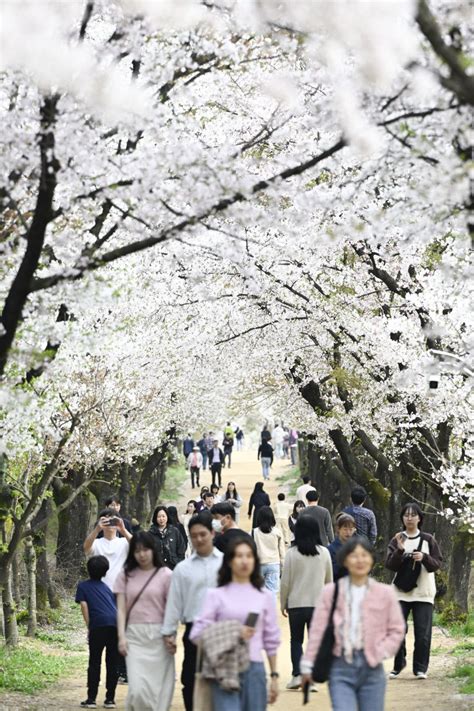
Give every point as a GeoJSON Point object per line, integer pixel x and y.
{"type": "Point", "coordinates": [189, 668]}
{"type": "Point", "coordinates": [194, 473]}
{"type": "Point", "coordinates": [299, 617]}
{"type": "Point", "coordinates": [422, 613]}
{"type": "Point", "coordinates": [229, 458]}
{"type": "Point", "coordinates": [216, 469]}
{"type": "Point", "coordinates": [100, 638]}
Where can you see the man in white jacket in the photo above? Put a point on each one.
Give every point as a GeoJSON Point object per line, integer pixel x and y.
{"type": "Point", "coordinates": [195, 464]}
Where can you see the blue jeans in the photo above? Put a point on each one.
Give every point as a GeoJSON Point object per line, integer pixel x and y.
{"type": "Point", "coordinates": [356, 686]}
{"type": "Point", "coordinates": [271, 576]}
{"type": "Point", "coordinates": [266, 463]}
{"type": "Point", "coordinates": [252, 695]}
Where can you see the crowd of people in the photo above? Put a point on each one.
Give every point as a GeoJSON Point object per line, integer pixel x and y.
{"type": "Point", "coordinates": [224, 585]}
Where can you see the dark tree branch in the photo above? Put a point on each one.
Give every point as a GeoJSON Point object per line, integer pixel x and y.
{"type": "Point", "coordinates": [21, 285]}
{"type": "Point", "coordinates": [85, 19]}
{"type": "Point", "coordinates": [459, 82]}
{"type": "Point", "coordinates": [188, 222]}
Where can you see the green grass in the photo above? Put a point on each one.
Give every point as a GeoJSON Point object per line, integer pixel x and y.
{"type": "Point", "coordinates": [28, 670]}
{"type": "Point", "coordinates": [63, 629]}
{"type": "Point", "coordinates": [463, 628]}
{"type": "Point", "coordinates": [291, 478]}
{"type": "Point", "coordinates": [175, 476]}
{"type": "Point", "coordinates": [464, 648]}
{"type": "Point", "coordinates": [465, 672]}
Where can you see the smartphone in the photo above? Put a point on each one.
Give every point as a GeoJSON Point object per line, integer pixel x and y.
{"type": "Point", "coordinates": [252, 619]}
{"type": "Point", "coordinates": [112, 521]}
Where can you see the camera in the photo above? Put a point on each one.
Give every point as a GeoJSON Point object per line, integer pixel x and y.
{"type": "Point", "coordinates": [113, 521]}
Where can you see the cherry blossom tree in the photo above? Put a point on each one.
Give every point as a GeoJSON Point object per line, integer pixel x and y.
{"type": "Point", "coordinates": [271, 198]}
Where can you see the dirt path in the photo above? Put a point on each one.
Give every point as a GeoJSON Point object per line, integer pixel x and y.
{"type": "Point", "coordinates": [438, 693]}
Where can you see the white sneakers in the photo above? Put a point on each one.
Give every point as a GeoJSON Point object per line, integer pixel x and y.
{"type": "Point", "coordinates": [295, 683]}
{"type": "Point", "coordinates": [419, 675]}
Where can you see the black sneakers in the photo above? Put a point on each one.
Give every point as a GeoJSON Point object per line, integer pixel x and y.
{"type": "Point", "coordinates": [109, 704]}
{"type": "Point", "coordinates": [88, 704]}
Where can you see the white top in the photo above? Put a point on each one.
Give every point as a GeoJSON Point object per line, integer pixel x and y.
{"type": "Point", "coordinates": [282, 509]}
{"type": "Point", "coordinates": [302, 490]}
{"type": "Point", "coordinates": [270, 546]}
{"type": "Point", "coordinates": [190, 581]}
{"type": "Point", "coordinates": [278, 434]}
{"type": "Point", "coordinates": [425, 589]}
{"type": "Point", "coordinates": [357, 596]}
{"type": "Point", "coordinates": [195, 459]}
{"type": "Point", "coordinates": [116, 551]}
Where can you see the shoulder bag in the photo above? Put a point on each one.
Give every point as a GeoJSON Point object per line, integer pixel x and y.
{"type": "Point", "coordinates": [137, 597]}
{"type": "Point", "coordinates": [409, 572]}
{"type": "Point", "coordinates": [324, 658]}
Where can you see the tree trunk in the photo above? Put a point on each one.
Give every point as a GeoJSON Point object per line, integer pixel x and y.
{"type": "Point", "coordinates": [16, 583]}
{"type": "Point", "coordinates": [460, 569]}
{"type": "Point", "coordinates": [8, 605]}
{"type": "Point", "coordinates": [45, 589]}
{"type": "Point", "coordinates": [73, 528]}
{"type": "Point", "coordinates": [30, 560]}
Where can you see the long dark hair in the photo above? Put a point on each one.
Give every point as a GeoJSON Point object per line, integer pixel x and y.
{"type": "Point", "coordinates": [143, 539]}
{"type": "Point", "coordinates": [160, 507]}
{"type": "Point", "coordinates": [265, 519]}
{"type": "Point", "coordinates": [225, 571]}
{"type": "Point", "coordinates": [295, 512]}
{"type": "Point", "coordinates": [258, 487]}
{"type": "Point", "coordinates": [172, 512]}
{"type": "Point", "coordinates": [307, 535]}
{"type": "Point", "coordinates": [228, 494]}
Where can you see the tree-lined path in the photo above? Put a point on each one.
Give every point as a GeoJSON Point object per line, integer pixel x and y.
{"type": "Point", "coordinates": [437, 693]}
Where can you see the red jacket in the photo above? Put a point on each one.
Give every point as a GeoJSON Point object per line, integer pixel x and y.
{"type": "Point", "coordinates": [383, 625]}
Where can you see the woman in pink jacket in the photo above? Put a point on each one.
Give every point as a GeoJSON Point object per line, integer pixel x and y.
{"type": "Point", "coordinates": [368, 627]}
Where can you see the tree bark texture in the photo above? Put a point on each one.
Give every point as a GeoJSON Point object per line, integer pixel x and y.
{"type": "Point", "coordinates": [8, 605]}
{"type": "Point", "coordinates": [30, 560]}
{"type": "Point", "coordinates": [73, 528]}
{"type": "Point", "coordinates": [16, 580]}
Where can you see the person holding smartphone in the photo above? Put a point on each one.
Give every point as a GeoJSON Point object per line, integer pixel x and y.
{"type": "Point", "coordinates": [420, 552]}
{"type": "Point", "coordinates": [115, 549]}
{"type": "Point", "coordinates": [239, 593]}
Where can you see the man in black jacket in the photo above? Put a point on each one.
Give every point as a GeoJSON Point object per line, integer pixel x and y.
{"type": "Point", "coordinates": [216, 460]}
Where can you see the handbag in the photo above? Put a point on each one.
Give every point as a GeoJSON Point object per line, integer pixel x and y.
{"type": "Point", "coordinates": [202, 693]}
{"type": "Point", "coordinates": [138, 595]}
{"type": "Point", "coordinates": [324, 658]}
{"type": "Point", "coordinates": [409, 572]}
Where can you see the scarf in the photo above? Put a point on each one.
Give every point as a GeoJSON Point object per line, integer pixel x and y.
{"type": "Point", "coordinates": [344, 630]}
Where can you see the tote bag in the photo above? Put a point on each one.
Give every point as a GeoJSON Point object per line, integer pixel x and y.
{"type": "Point", "coordinates": [202, 694]}
{"type": "Point", "coordinates": [322, 663]}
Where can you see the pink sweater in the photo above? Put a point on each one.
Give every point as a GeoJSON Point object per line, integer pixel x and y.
{"type": "Point", "coordinates": [383, 626]}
